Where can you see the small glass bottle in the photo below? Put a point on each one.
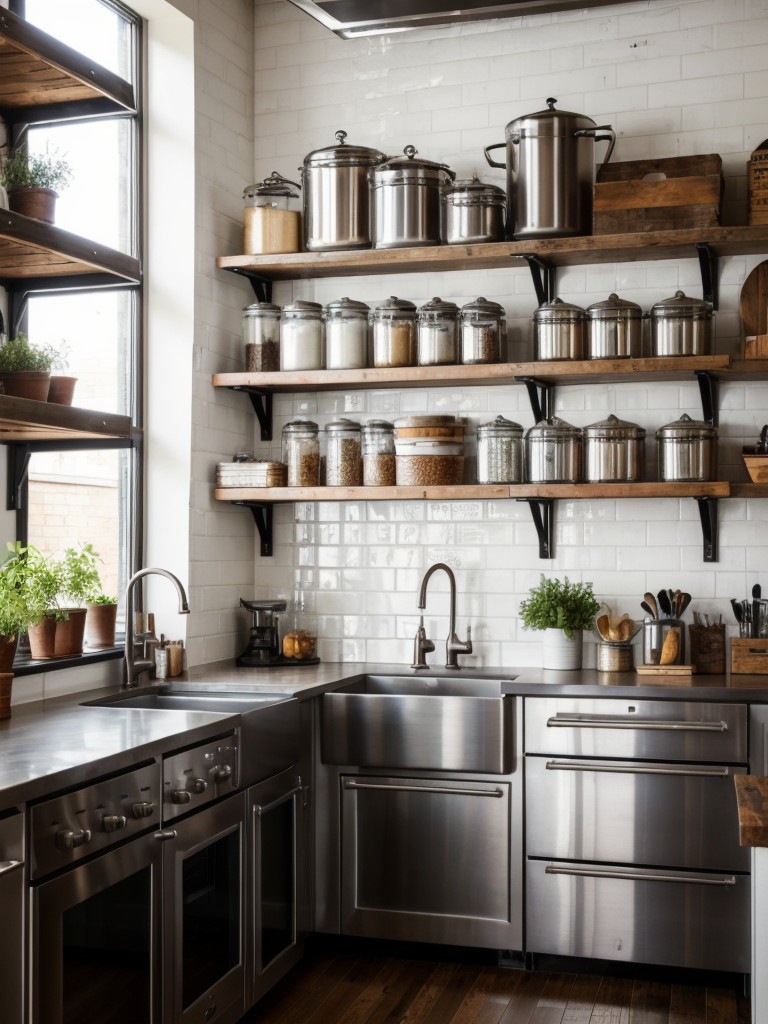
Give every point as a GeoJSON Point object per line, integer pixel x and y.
{"type": "Point", "coordinates": [261, 335]}
{"type": "Point", "coordinates": [500, 452]}
{"type": "Point", "coordinates": [343, 458]}
{"type": "Point", "coordinates": [481, 331]}
{"type": "Point", "coordinates": [346, 335]}
{"type": "Point", "coordinates": [394, 333]}
{"type": "Point", "coordinates": [379, 454]}
{"type": "Point", "coordinates": [301, 453]}
{"type": "Point", "coordinates": [301, 336]}
{"type": "Point", "coordinates": [437, 333]}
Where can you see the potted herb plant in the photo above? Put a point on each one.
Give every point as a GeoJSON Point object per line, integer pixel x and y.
{"type": "Point", "coordinates": [16, 615]}
{"type": "Point", "coordinates": [562, 610]}
{"type": "Point", "coordinates": [32, 180]}
{"type": "Point", "coordinates": [61, 390]}
{"type": "Point", "coordinates": [25, 369]}
{"type": "Point", "coordinates": [100, 621]}
{"type": "Point", "coordinates": [78, 582]}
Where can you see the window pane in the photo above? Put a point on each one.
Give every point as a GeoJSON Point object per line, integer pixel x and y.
{"type": "Point", "coordinates": [89, 27]}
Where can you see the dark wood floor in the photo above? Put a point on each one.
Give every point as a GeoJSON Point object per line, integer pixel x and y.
{"type": "Point", "coordinates": [333, 986]}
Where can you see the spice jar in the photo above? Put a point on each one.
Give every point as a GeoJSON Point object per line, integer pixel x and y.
{"type": "Point", "coordinates": [301, 336]}
{"type": "Point", "coordinates": [500, 452]}
{"type": "Point", "coordinates": [378, 454]}
{"type": "Point", "coordinates": [271, 219]}
{"type": "Point", "coordinates": [343, 458]}
{"type": "Point", "coordinates": [481, 330]}
{"type": "Point", "coordinates": [346, 335]}
{"type": "Point", "coordinates": [301, 453]}
{"type": "Point", "coordinates": [436, 332]}
{"type": "Point", "coordinates": [261, 334]}
{"type": "Point", "coordinates": [394, 333]}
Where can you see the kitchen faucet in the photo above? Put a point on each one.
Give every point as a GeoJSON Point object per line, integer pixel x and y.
{"type": "Point", "coordinates": [453, 646]}
{"type": "Point", "coordinates": [135, 667]}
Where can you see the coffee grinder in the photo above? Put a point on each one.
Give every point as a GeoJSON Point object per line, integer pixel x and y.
{"type": "Point", "coordinates": [263, 647]}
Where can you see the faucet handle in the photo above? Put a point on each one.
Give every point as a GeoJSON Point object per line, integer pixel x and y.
{"type": "Point", "coordinates": [422, 646]}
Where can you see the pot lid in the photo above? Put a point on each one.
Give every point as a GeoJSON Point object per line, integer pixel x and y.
{"type": "Point", "coordinates": [428, 421]}
{"type": "Point", "coordinates": [437, 307]}
{"type": "Point", "coordinates": [547, 122]}
{"type": "Point", "coordinates": [482, 307]}
{"type": "Point", "coordinates": [393, 308]}
{"type": "Point", "coordinates": [553, 428]}
{"type": "Point", "coordinates": [558, 310]}
{"type": "Point", "coordinates": [273, 185]}
{"type": "Point", "coordinates": [343, 155]}
{"type": "Point", "coordinates": [342, 424]}
{"type": "Point", "coordinates": [346, 307]}
{"type": "Point", "coordinates": [685, 427]}
{"type": "Point", "coordinates": [612, 307]}
{"type": "Point", "coordinates": [614, 428]}
{"type": "Point", "coordinates": [472, 190]}
{"type": "Point", "coordinates": [261, 309]}
{"type": "Point", "coordinates": [681, 304]}
{"type": "Point", "coordinates": [378, 426]}
{"type": "Point", "coordinates": [407, 168]}
{"type": "Point", "coordinates": [500, 427]}
{"type": "Point", "coordinates": [302, 308]}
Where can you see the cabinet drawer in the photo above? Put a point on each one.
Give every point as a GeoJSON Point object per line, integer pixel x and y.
{"type": "Point", "coordinates": [680, 815]}
{"type": "Point", "coordinates": [653, 916]}
{"type": "Point", "coordinates": [666, 730]}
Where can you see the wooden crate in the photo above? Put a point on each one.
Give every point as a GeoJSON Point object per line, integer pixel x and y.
{"type": "Point", "coordinates": [749, 657]}
{"type": "Point", "coordinates": [757, 185]}
{"type": "Point", "coordinates": [658, 195]}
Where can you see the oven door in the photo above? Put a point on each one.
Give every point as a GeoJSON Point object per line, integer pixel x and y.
{"type": "Point", "coordinates": [12, 903]}
{"type": "Point", "coordinates": [95, 945]}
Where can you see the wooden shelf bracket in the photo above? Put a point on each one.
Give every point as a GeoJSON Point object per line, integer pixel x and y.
{"type": "Point", "coordinates": [708, 514]}
{"type": "Point", "coordinates": [542, 510]}
{"type": "Point", "coordinates": [541, 395]}
{"type": "Point", "coordinates": [543, 275]}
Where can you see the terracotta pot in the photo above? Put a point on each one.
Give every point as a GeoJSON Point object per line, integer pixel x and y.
{"type": "Point", "coordinates": [41, 639]}
{"type": "Point", "coordinates": [62, 389]}
{"type": "Point", "coordinates": [100, 625]}
{"type": "Point", "coordinates": [69, 633]}
{"type": "Point", "coordinates": [8, 645]}
{"type": "Point", "coordinates": [6, 681]}
{"type": "Point", "coordinates": [39, 203]}
{"type": "Point", "coordinates": [32, 384]}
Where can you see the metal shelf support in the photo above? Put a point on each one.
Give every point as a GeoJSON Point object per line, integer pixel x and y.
{"type": "Point", "coordinates": [262, 406]}
{"type": "Point", "coordinates": [262, 516]}
{"type": "Point", "coordinates": [543, 275]}
{"type": "Point", "coordinates": [708, 391]}
{"type": "Point", "coordinates": [262, 286]}
{"type": "Point", "coordinates": [708, 265]}
{"type": "Point", "coordinates": [543, 519]}
{"type": "Point", "coordinates": [708, 514]}
{"type": "Point", "coordinates": [541, 395]}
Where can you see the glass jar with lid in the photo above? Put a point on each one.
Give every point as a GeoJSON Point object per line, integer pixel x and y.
{"type": "Point", "coordinates": [346, 335]}
{"type": "Point", "coordinates": [394, 333]}
{"type": "Point", "coordinates": [343, 458]}
{"type": "Point", "coordinates": [271, 219]}
{"type": "Point", "coordinates": [301, 453]}
{"type": "Point", "coordinates": [481, 330]}
{"type": "Point", "coordinates": [261, 334]}
{"type": "Point", "coordinates": [301, 336]}
{"type": "Point", "coordinates": [436, 332]}
{"type": "Point", "coordinates": [379, 453]}
{"type": "Point", "coordinates": [500, 452]}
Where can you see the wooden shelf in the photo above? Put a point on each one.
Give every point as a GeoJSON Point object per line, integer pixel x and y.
{"type": "Point", "coordinates": [749, 490]}
{"type": "Point", "coordinates": [22, 420]}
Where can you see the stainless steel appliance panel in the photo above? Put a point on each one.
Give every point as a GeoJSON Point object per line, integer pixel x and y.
{"type": "Point", "coordinates": [624, 812]}
{"type": "Point", "coordinates": [13, 936]}
{"type": "Point", "coordinates": [196, 777]}
{"type": "Point", "coordinates": [664, 730]}
{"type": "Point", "coordinates": [638, 915]}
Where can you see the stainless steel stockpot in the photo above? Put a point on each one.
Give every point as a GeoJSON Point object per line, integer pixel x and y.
{"type": "Point", "coordinates": [687, 450]}
{"type": "Point", "coordinates": [472, 211]}
{"type": "Point", "coordinates": [614, 451]}
{"type": "Point", "coordinates": [553, 452]}
{"type": "Point", "coordinates": [682, 326]}
{"type": "Point", "coordinates": [336, 196]}
{"type": "Point", "coordinates": [406, 200]}
{"type": "Point", "coordinates": [614, 329]}
{"type": "Point", "coordinates": [559, 330]}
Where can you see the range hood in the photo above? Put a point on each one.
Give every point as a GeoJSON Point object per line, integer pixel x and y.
{"type": "Point", "coordinates": [352, 18]}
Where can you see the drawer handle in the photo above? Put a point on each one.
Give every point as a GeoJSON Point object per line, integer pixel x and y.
{"type": "Point", "coordinates": [636, 769]}
{"type": "Point", "coordinates": [350, 784]}
{"type": "Point", "coordinates": [266, 808]}
{"type": "Point", "coordinates": [6, 866]}
{"type": "Point", "coordinates": [585, 722]}
{"type": "Point", "coordinates": [637, 876]}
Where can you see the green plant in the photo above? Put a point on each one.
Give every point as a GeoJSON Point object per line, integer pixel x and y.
{"type": "Point", "coordinates": [20, 354]}
{"type": "Point", "coordinates": [559, 604]}
{"type": "Point", "coordinates": [79, 577]}
{"type": "Point", "coordinates": [21, 169]}
{"type": "Point", "coordinates": [103, 599]}
{"type": "Point", "coordinates": [28, 588]}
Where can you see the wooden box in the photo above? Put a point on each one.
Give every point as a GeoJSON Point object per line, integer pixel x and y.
{"type": "Point", "coordinates": [707, 646]}
{"type": "Point", "coordinates": [658, 195]}
{"type": "Point", "coordinates": [757, 185]}
{"type": "Point", "coordinates": [749, 657]}
{"type": "Point", "coordinates": [757, 467]}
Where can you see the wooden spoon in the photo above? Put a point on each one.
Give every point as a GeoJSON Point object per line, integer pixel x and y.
{"type": "Point", "coordinates": [625, 629]}
{"type": "Point", "coordinates": [603, 627]}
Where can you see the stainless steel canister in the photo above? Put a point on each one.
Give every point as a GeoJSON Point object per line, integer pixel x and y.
{"type": "Point", "coordinates": [682, 326]}
{"type": "Point", "coordinates": [614, 329]}
{"type": "Point", "coordinates": [687, 450]}
{"type": "Point", "coordinates": [336, 197]}
{"type": "Point", "coordinates": [614, 451]}
{"type": "Point", "coordinates": [553, 452]}
{"type": "Point", "coordinates": [500, 452]}
{"type": "Point", "coordinates": [472, 211]}
{"type": "Point", "coordinates": [559, 330]}
{"type": "Point", "coordinates": [406, 200]}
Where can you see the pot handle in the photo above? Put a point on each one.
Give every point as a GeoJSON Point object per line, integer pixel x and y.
{"type": "Point", "coordinates": [609, 137]}
{"type": "Point", "coordinates": [495, 163]}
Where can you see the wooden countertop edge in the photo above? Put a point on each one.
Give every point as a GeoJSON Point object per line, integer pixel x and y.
{"type": "Point", "coordinates": [752, 804]}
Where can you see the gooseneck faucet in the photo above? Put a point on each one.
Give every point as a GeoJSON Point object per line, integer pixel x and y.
{"type": "Point", "coordinates": [135, 667]}
{"type": "Point", "coordinates": [453, 646]}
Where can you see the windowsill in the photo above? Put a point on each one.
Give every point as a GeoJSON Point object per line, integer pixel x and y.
{"type": "Point", "coordinates": [26, 666]}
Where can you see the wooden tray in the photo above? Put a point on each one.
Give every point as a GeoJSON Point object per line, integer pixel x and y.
{"type": "Point", "coordinates": [665, 670]}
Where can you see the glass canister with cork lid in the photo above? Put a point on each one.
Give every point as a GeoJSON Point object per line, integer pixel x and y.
{"type": "Point", "coordinates": [271, 219]}
{"type": "Point", "coordinates": [261, 335]}
{"type": "Point", "coordinates": [379, 454]}
{"type": "Point", "coordinates": [343, 457]}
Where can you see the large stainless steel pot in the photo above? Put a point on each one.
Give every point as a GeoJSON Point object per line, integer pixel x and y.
{"type": "Point", "coordinates": [682, 326]}
{"type": "Point", "coordinates": [687, 450]}
{"type": "Point", "coordinates": [472, 211]}
{"type": "Point", "coordinates": [551, 172]}
{"type": "Point", "coordinates": [614, 451]}
{"type": "Point", "coordinates": [336, 196]}
{"type": "Point", "coordinates": [553, 452]}
{"type": "Point", "coordinates": [559, 330]}
{"type": "Point", "coordinates": [406, 200]}
{"type": "Point", "coordinates": [614, 329]}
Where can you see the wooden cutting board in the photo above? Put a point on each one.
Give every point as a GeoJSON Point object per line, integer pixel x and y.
{"type": "Point", "coordinates": [753, 310]}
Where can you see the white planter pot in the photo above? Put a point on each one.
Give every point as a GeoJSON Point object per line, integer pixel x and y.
{"type": "Point", "coordinates": [560, 653]}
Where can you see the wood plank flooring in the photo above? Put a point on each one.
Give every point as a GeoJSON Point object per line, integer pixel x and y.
{"type": "Point", "coordinates": [342, 986]}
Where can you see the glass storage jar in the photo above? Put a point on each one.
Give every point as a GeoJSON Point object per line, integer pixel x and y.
{"type": "Point", "coordinates": [301, 336]}
{"type": "Point", "coordinates": [500, 452]}
{"type": "Point", "coordinates": [271, 219]}
{"type": "Point", "coordinates": [379, 453]}
{"type": "Point", "coordinates": [481, 331]}
{"type": "Point", "coordinates": [394, 333]}
{"type": "Point", "coordinates": [346, 335]}
{"type": "Point", "coordinates": [261, 334]}
{"type": "Point", "coordinates": [343, 457]}
{"type": "Point", "coordinates": [436, 332]}
{"type": "Point", "coordinates": [301, 453]}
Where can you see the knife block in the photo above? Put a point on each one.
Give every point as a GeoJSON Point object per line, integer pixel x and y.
{"type": "Point", "coordinates": [749, 656]}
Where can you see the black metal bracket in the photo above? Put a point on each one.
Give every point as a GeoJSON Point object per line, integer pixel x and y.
{"type": "Point", "coordinates": [708, 514]}
{"type": "Point", "coordinates": [541, 395]}
{"type": "Point", "coordinates": [543, 520]}
{"type": "Point", "coordinates": [18, 466]}
{"type": "Point", "coordinates": [262, 516]}
{"type": "Point", "coordinates": [708, 391]}
{"type": "Point", "coordinates": [708, 265]}
{"type": "Point", "coordinates": [543, 275]}
{"type": "Point", "coordinates": [262, 406]}
{"type": "Point", "coordinates": [262, 286]}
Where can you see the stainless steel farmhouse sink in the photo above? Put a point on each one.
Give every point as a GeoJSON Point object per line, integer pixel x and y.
{"type": "Point", "coordinates": [185, 700]}
{"type": "Point", "coordinates": [442, 723]}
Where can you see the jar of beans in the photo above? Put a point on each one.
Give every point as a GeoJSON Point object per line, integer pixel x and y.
{"type": "Point", "coordinates": [437, 332]}
{"type": "Point", "coordinates": [394, 333]}
{"type": "Point", "coordinates": [301, 453]}
{"type": "Point", "coordinates": [261, 334]}
{"type": "Point", "coordinates": [343, 458]}
{"type": "Point", "coordinates": [481, 331]}
{"type": "Point", "coordinates": [301, 336]}
{"type": "Point", "coordinates": [346, 335]}
{"type": "Point", "coordinates": [379, 453]}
